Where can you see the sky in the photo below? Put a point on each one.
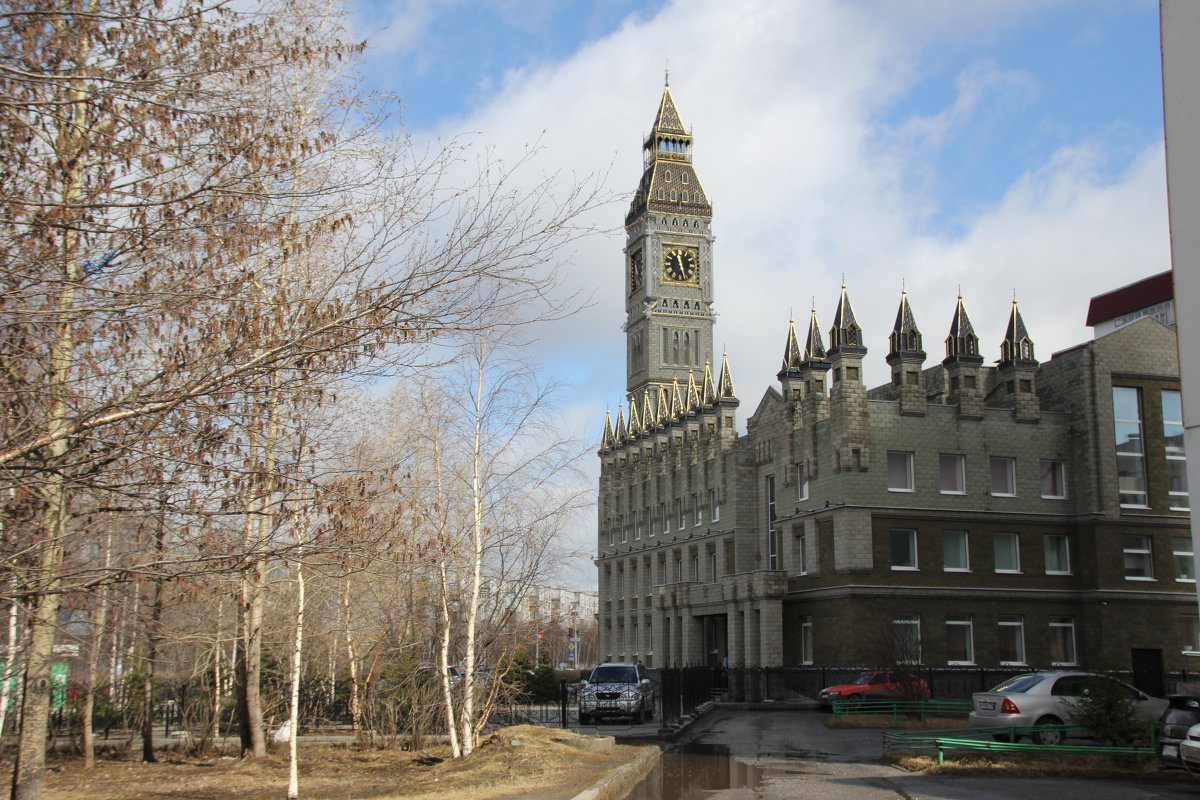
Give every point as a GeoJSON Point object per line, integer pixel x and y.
{"type": "Point", "coordinates": [1001, 148]}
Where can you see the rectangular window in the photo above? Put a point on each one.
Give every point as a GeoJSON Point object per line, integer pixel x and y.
{"type": "Point", "coordinates": [712, 565]}
{"type": "Point", "coordinates": [714, 510]}
{"type": "Point", "coordinates": [678, 568]}
{"type": "Point", "coordinates": [637, 531]}
{"type": "Point", "coordinates": [695, 566]}
{"type": "Point", "coordinates": [770, 498]}
{"type": "Point", "coordinates": [1062, 642]}
{"type": "Point", "coordinates": [802, 489]}
{"type": "Point", "coordinates": [1011, 639]}
{"type": "Point", "coordinates": [1054, 486]}
{"type": "Point", "coordinates": [806, 645]}
{"type": "Point", "coordinates": [1139, 557]}
{"type": "Point", "coordinates": [956, 556]}
{"type": "Point", "coordinates": [1131, 454]}
{"type": "Point", "coordinates": [1177, 488]}
{"type": "Point", "coordinates": [1191, 632]}
{"type": "Point", "coordinates": [612, 534]}
{"type": "Point", "coordinates": [1058, 554]}
{"type": "Point", "coordinates": [907, 631]}
{"type": "Point", "coordinates": [900, 471]}
{"type": "Point", "coordinates": [773, 549]}
{"type": "Point", "coordinates": [666, 518]}
{"type": "Point", "coordinates": [1007, 548]}
{"type": "Point", "coordinates": [699, 509]}
{"type": "Point", "coordinates": [952, 474]}
{"type": "Point", "coordinates": [960, 641]}
{"type": "Point", "coordinates": [801, 554]}
{"type": "Point", "coordinates": [680, 518]}
{"type": "Point", "coordinates": [1185, 563]}
{"type": "Point", "coordinates": [904, 549]}
{"type": "Point", "coordinates": [1004, 476]}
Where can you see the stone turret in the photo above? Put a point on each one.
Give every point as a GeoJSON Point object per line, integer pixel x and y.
{"type": "Point", "coordinates": [1017, 371]}
{"type": "Point", "coordinates": [851, 429]}
{"type": "Point", "coordinates": [963, 365]}
{"type": "Point", "coordinates": [906, 356]}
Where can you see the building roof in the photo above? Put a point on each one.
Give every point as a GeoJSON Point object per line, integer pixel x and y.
{"type": "Point", "coordinates": [1134, 297]}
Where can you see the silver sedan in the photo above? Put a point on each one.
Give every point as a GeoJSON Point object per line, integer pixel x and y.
{"type": "Point", "coordinates": [1046, 698]}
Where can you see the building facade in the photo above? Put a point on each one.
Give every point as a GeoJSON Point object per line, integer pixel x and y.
{"type": "Point", "coordinates": [1022, 514]}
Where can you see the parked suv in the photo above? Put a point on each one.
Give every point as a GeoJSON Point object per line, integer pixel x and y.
{"type": "Point", "coordinates": [1182, 713]}
{"type": "Point", "coordinates": [875, 684]}
{"type": "Point", "coordinates": [617, 690]}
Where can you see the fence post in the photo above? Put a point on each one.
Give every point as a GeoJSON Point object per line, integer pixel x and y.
{"type": "Point", "coordinates": [562, 701]}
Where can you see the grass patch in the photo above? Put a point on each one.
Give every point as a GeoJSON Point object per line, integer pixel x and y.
{"type": "Point", "coordinates": [1036, 766]}
{"type": "Point", "coordinates": [545, 765]}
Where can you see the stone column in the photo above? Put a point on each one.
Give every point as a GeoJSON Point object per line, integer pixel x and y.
{"type": "Point", "coordinates": [734, 632]}
{"type": "Point", "coordinates": [752, 634]}
{"type": "Point", "coordinates": [771, 633]}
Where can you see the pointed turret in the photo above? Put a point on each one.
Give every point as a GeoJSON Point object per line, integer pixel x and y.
{"type": "Point", "coordinates": [693, 394]}
{"type": "Point", "coordinates": [606, 442]}
{"type": "Point", "coordinates": [677, 410]}
{"type": "Point", "coordinates": [962, 363]}
{"type": "Point", "coordinates": [1017, 370]}
{"type": "Point", "coordinates": [814, 349]}
{"type": "Point", "coordinates": [635, 421]}
{"type": "Point", "coordinates": [850, 430]}
{"type": "Point", "coordinates": [1017, 346]}
{"type": "Point", "coordinates": [620, 434]}
{"type": "Point", "coordinates": [846, 335]}
{"type": "Point", "coordinates": [792, 354]}
{"type": "Point", "coordinates": [710, 388]}
{"type": "Point", "coordinates": [906, 356]}
{"type": "Point", "coordinates": [726, 391]}
{"type": "Point", "coordinates": [649, 422]}
{"type": "Point", "coordinates": [661, 413]}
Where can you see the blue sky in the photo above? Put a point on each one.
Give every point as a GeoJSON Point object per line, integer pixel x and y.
{"type": "Point", "coordinates": [1000, 146]}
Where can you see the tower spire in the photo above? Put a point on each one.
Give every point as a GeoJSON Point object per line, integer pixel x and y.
{"type": "Point", "coordinates": [1017, 346]}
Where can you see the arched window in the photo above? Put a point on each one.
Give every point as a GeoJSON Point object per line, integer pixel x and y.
{"type": "Point", "coordinates": [667, 175]}
{"type": "Point", "coordinates": [673, 196]}
{"type": "Point", "coordinates": [685, 196]}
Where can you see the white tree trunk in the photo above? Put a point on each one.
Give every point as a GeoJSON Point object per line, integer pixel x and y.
{"type": "Point", "coordinates": [293, 791]}
{"type": "Point", "coordinates": [10, 661]}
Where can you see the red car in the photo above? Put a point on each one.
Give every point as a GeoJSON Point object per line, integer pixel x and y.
{"type": "Point", "coordinates": [876, 684]}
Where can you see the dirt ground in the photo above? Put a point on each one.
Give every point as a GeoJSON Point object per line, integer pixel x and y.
{"type": "Point", "coordinates": [520, 762]}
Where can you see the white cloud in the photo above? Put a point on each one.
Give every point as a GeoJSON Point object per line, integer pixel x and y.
{"type": "Point", "coordinates": [785, 100]}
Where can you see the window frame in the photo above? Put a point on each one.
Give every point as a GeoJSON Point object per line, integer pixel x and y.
{"type": "Point", "coordinates": [1188, 553]}
{"type": "Point", "coordinates": [1176, 455]}
{"type": "Point", "coordinates": [1068, 624]}
{"type": "Point", "coordinates": [1015, 622]}
{"type": "Point", "coordinates": [1131, 456]}
{"type": "Point", "coordinates": [909, 534]}
{"type": "Point", "coordinates": [961, 621]}
{"type": "Point", "coordinates": [1058, 469]}
{"type": "Point", "coordinates": [900, 459]}
{"type": "Point", "coordinates": [960, 473]}
{"type": "Point", "coordinates": [1010, 475]}
{"type": "Point", "coordinates": [1146, 554]}
{"type": "Point", "coordinates": [806, 641]}
{"type": "Point", "coordinates": [911, 624]}
{"type": "Point", "coordinates": [1015, 539]}
{"type": "Point", "coordinates": [1066, 552]}
{"type": "Point", "coordinates": [966, 540]}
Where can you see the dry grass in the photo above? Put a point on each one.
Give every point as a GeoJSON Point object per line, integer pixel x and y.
{"type": "Point", "coordinates": [1038, 766]}
{"type": "Point", "coordinates": [543, 766]}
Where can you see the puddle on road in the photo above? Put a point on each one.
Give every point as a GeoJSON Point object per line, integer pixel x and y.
{"type": "Point", "coordinates": [691, 771]}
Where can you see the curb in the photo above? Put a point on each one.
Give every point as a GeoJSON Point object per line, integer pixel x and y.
{"type": "Point", "coordinates": [621, 780]}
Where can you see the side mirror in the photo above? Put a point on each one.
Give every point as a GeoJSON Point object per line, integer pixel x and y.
{"type": "Point", "coordinates": [644, 681]}
{"type": "Point", "coordinates": [583, 683]}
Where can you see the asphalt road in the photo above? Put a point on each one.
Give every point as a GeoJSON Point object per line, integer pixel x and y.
{"type": "Point", "coordinates": [739, 755]}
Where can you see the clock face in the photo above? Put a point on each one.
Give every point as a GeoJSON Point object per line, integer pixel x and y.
{"type": "Point", "coordinates": [681, 264]}
{"type": "Point", "coordinates": [636, 271]}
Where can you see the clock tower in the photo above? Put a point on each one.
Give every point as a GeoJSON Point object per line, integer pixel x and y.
{"type": "Point", "coordinates": [668, 263]}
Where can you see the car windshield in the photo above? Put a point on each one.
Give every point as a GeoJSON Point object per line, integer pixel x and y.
{"type": "Point", "coordinates": [1018, 684]}
{"type": "Point", "coordinates": [614, 674]}
{"type": "Point", "coordinates": [863, 679]}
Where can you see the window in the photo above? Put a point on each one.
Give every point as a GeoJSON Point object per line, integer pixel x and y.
{"type": "Point", "coordinates": [1007, 547]}
{"type": "Point", "coordinates": [806, 646]}
{"type": "Point", "coordinates": [1058, 555]}
{"type": "Point", "coordinates": [770, 498]}
{"type": "Point", "coordinates": [1139, 557]}
{"type": "Point", "coordinates": [960, 644]}
{"type": "Point", "coordinates": [904, 549]}
{"type": "Point", "coordinates": [699, 509]}
{"type": "Point", "coordinates": [680, 519]}
{"type": "Point", "coordinates": [900, 471]}
{"type": "Point", "coordinates": [802, 489]}
{"type": "Point", "coordinates": [955, 555]}
{"type": "Point", "coordinates": [1131, 460]}
{"type": "Point", "coordinates": [678, 568]}
{"type": "Point", "coordinates": [1062, 641]}
{"type": "Point", "coordinates": [1191, 632]}
{"type": "Point", "coordinates": [1053, 481]}
{"type": "Point", "coordinates": [907, 630]}
{"type": "Point", "coordinates": [801, 554]}
{"type": "Point", "coordinates": [952, 474]}
{"type": "Point", "coordinates": [695, 566]}
{"type": "Point", "coordinates": [1004, 476]}
{"type": "Point", "coordinates": [666, 518]}
{"type": "Point", "coordinates": [1011, 639]}
{"type": "Point", "coordinates": [714, 510]}
{"type": "Point", "coordinates": [1177, 488]}
{"type": "Point", "coordinates": [712, 565]}
{"type": "Point", "coordinates": [1185, 564]}
{"type": "Point", "coordinates": [773, 549]}
{"type": "Point", "coordinates": [637, 531]}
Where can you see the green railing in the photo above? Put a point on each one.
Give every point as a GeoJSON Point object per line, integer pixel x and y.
{"type": "Point", "coordinates": [977, 745]}
{"type": "Point", "coordinates": [1004, 739]}
{"type": "Point", "coordinates": [901, 708]}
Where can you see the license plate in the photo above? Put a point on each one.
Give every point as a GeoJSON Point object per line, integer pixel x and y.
{"type": "Point", "coordinates": [987, 705]}
{"type": "Point", "coordinates": [1170, 751]}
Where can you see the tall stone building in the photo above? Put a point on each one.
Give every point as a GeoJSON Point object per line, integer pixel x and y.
{"type": "Point", "coordinates": [1022, 514]}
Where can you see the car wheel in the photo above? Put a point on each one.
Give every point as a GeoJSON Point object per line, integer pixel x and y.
{"type": "Point", "coordinates": [1052, 737]}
